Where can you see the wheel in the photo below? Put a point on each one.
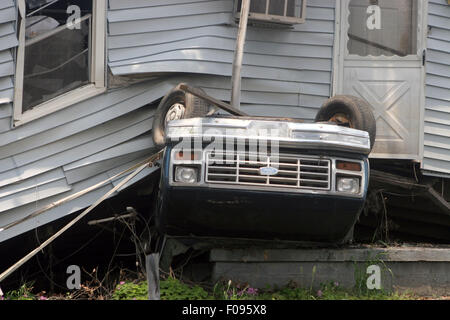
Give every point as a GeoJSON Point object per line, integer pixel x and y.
{"type": "Point", "coordinates": [349, 111]}
{"type": "Point", "coordinates": [177, 104]}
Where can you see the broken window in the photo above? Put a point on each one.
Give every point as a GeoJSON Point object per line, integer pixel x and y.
{"type": "Point", "coordinates": [383, 27]}
{"type": "Point", "coordinates": [57, 51]}
{"type": "Point", "coordinates": [277, 11]}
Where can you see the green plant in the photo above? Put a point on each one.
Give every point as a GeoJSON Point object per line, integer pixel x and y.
{"type": "Point", "coordinates": [173, 289]}
{"type": "Point", "coordinates": [233, 291]}
{"type": "Point", "coordinates": [361, 276]}
{"type": "Point", "coordinates": [170, 289]}
{"type": "Point", "coordinates": [131, 291]}
{"type": "Point", "coordinates": [23, 293]}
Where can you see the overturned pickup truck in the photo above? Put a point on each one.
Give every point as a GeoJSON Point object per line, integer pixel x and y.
{"type": "Point", "coordinates": [263, 178]}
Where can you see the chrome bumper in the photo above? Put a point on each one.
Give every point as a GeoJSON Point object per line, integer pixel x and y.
{"type": "Point", "coordinates": [317, 136]}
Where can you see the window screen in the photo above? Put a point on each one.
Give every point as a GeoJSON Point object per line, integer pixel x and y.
{"type": "Point", "coordinates": [383, 27]}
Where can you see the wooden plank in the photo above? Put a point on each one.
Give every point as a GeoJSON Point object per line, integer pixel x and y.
{"type": "Point", "coordinates": [220, 104]}
{"type": "Point", "coordinates": [439, 201]}
{"type": "Point", "coordinates": [396, 180]}
{"type": "Point", "coordinates": [390, 254]}
{"type": "Point", "coordinates": [152, 267]}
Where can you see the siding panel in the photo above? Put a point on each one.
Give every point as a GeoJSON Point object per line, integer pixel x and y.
{"type": "Point", "coordinates": [8, 41]}
{"type": "Point", "coordinates": [41, 163]}
{"type": "Point", "coordinates": [198, 37]}
{"type": "Point", "coordinates": [437, 92]}
{"type": "Point", "coordinates": [286, 73]}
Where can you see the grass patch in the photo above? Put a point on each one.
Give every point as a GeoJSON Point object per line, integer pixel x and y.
{"type": "Point", "coordinates": [135, 288]}
{"type": "Point", "coordinates": [329, 291]}
{"type": "Point", "coordinates": [23, 293]}
{"type": "Point", "coordinates": [170, 289]}
{"type": "Point", "coordinates": [174, 289]}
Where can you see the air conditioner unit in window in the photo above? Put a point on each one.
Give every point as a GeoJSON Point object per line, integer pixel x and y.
{"type": "Point", "coordinates": [279, 12]}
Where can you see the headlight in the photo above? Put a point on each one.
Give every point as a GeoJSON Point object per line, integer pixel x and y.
{"type": "Point", "coordinates": [186, 174]}
{"type": "Point", "coordinates": [348, 185]}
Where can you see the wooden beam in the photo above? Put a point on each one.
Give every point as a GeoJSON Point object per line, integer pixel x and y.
{"type": "Point", "coordinates": [239, 55]}
{"type": "Point", "coordinates": [204, 96]}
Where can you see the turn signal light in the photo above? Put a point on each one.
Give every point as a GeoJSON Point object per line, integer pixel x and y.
{"type": "Point", "coordinates": [350, 166]}
{"type": "Point", "coordinates": [188, 155]}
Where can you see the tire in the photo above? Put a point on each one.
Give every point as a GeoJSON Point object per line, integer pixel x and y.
{"type": "Point", "coordinates": [349, 111]}
{"type": "Point", "coordinates": [176, 101]}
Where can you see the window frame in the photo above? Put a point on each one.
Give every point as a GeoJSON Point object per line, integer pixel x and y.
{"type": "Point", "coordinates": [98, 69]}
{"type": "Point", "coordinates": [271, 18]}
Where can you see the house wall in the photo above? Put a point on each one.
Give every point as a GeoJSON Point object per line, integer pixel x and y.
{"type": "Point", "coordinates": [69, 150]}
{"type": "Point", "coordinates": [8, 40]}
{"type": "Point", "coordinates": [286, 72]}
{"type": "Point", "coordinates": [64, 152]}
{"type": "Point", "coordinates": [437, 92]}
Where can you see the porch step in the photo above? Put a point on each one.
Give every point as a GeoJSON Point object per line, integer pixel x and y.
{"type": "Point", "coordinates": [421, 270]}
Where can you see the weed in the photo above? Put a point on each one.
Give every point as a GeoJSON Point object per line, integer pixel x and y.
{"type": "Point", "coordinates": [131, 291]}
{"type": "Point", "coordinates": [23, 293]}
{"type": "Point", "coordinates": [170, 289]}
{"type": "Point", "coordinates": [174, 289]}
{"type": "Point", "coordinates": [361, 276]}
{"type": "Point", "coordinates": [233, 291]}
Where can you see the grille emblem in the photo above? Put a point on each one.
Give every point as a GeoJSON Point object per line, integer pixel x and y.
{"type": "Point", "coordinates": [268, 171]}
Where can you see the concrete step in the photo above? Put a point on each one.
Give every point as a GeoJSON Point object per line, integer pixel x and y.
{"type": "Point", "coordinates": [421, 270]}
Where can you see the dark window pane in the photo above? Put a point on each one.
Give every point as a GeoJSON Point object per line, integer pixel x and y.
{"type": "Point", "coordinates": [294, 8]}
{"type": "Point", "coordinates": [290, 12]}
{"type": "Point", "coordinates": [56, 64]}
{"type": "Point", "coordinates": [276, 7]}
{"type": "Point", "coordinates": [57, 10]}
{"type": "Point", "coordinates": [256, 6]}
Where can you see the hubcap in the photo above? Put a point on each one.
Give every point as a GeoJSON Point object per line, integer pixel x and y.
{"type": "Point", "coordinates": [175, 112]}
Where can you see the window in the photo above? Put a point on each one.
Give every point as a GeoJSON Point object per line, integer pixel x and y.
{"type": "Point", "coordinates": [61, 55]}
{"type": "Point", "coordinates": [383, 27]}
{"type": "Point", "coordinates": [275, 11]}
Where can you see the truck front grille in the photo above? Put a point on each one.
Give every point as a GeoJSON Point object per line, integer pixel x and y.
{"type": "Point", "coordinates": [292, 171]}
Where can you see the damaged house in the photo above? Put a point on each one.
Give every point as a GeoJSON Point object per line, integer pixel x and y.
{"type": "Point", "coordinates": [80, 81]}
